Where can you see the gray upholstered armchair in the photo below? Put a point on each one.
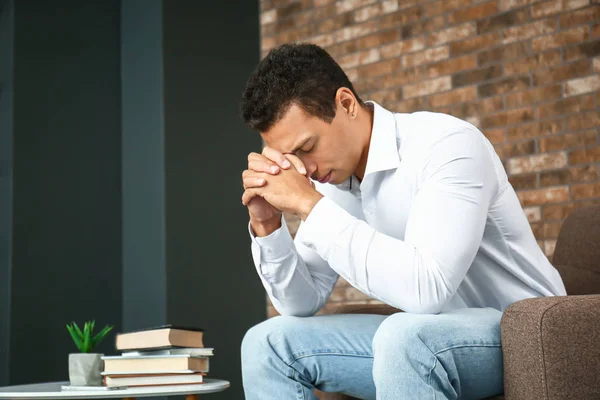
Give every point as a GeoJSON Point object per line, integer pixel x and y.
{"type": "Point", "coordinates": [551, 345]}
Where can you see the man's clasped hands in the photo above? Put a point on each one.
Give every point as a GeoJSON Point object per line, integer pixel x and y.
{"type": "Point", "coordinates": [276, 183]}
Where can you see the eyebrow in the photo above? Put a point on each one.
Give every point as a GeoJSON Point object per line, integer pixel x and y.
{"type": "Point", "coordinates": [298, 147]}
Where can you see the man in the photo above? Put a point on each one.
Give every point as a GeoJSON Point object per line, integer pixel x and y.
{"type": "Point", "coordinates": [414, 210]}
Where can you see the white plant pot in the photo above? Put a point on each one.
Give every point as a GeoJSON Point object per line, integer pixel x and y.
{"type": "Point", "coordinates": [85, 369]}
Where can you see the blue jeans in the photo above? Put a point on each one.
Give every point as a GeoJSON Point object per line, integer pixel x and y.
{"type": "Point", "coordinates": [453, 355]}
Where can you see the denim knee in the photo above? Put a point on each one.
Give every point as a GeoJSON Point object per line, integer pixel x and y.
{"type": "Point", "coordinates": [400, 337]}
{"type": "Point", "coordinates": [267, 339]}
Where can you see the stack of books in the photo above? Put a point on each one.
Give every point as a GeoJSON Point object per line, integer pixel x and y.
{"type": "Point", "coordinates": [164, 355]}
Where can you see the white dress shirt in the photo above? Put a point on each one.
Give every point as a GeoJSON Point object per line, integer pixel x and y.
{"type": "Point", "coordinates": [433, 226]}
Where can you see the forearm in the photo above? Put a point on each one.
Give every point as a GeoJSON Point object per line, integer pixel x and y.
{"type": "Point", "coordinates": [291, 285]}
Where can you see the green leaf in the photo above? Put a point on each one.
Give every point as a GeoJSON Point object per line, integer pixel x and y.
{"type": "Point", "coordinates": [100, 336]}
{"type": "Point", "coordinates": [86, 338]}
{"type": "Point", "coordinates": [93, 323]}
{"type": "Point", "coordinates": [75, 337]}
{"type": "Point", "coordinates": [78, 330]}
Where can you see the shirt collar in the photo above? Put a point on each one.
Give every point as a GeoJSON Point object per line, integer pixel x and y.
{"type": "Point", "coordinates": [383, 148]}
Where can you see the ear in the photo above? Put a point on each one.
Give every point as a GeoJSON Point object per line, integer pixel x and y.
{"type": "Point", "coordinates": [346, 102]}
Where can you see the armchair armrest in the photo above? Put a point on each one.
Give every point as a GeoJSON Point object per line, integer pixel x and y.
{"type": "Point", "coordinates": [551, 348]}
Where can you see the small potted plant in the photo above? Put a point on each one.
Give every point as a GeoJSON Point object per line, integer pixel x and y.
{"type": "Point", "coordinates": [85, 367]}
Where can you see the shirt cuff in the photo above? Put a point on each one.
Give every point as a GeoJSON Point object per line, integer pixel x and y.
{"type": "Point", "coordinates": [323, 226]}
{"type": "Point", "coordinates": [275, 246]}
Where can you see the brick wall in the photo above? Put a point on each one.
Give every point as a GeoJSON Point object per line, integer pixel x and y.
{"type": "Point", "coordinates": [527, 73]}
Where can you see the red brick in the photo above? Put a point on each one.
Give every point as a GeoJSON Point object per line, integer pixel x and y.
{"type": "Point", "coordinates": [549, 247]}
{"type": "Point", "coordinates": [526, 64]}
{"type": "Point", "coordinates": [451, 66]}
{"type": "Point", "coordinates": [427, 87]}
{"type": "Point", "coordinates": [451, 34]}
{"type": "Point", "coordinates": [575, 174]}
{"type": "Point", "coordinates": [533, 214]}
{"type": "Point", "coordinates": [501, 21]}
{"type": "Point", "coordinates": [349, 5]}
{"type": "Point", "coordinates": [563, 38]}
{"type": "Point", "coordinates": [533, 96]}
{"type": "Point", "coordinates": [422, 27]}
{"type": "Point", "coordinates": [508, 4]}
{"type": "Point", "coordinates": [585, 120]}
{"type": "Point", "coordinates": [268, 17]}
{"type": "Point", "coordinates": [455, 96]}
{"type": "Point", "coordinates": [561, 211]}
{"type": "Point", "coordinates": [508, 150]}
{"type": "Point", "coordinates": [411, 105]}
{"type": "Point", "coordinates": [354, 294]}
{"type": "Point", "coordinates": [355, 59]}
{"type": "Point", "coordinates": [386, 96]}
{"type": "Point", "coordinates": [568, 141]}
{"type": "Point", "coordinates": [550, 7]}
{"type": "Point", "coordinates": [535, 129]}
{"type": "Point", "coordinates": [491, 105]}
{"type": "Point", "coordinates": [596, 64]}
{"type": "Point", "coordinates": [375, 10]}
{"type": "Point", "coordinates": [585, 191]}
{"type": "Point", "coordinates": [399, 48]}
{"type": "Point", "coordinates": [400, 18]}
{"type": "Point", "coordinates": [363, 43]}
{"type": "Point", "coordinates": [425, 57]}
{"type": "Point", "coordinates": [355, 31]}
{"type": "Point", "coordinates": [588, 49]}
{"type": "Point", "coordinates": [579, 17]}
{"type": "Point", "coordinates": [566, 106]}
{"type": "Point", "coordinates": [497, 135]}
{"type": "Point", "coordinates": [478, 11]}
{"type": "Point", "coordinates": [583, 85]}
{"type": "Point", "coordinates": [332, 24]}
{"type": "Point", "coordinates": [296, 34]}
{"type": "Point", "coordinates": [478, 108]}
{"type": "Point", "coordinates": [561, 73]}
{"type": "Point", "coordinates": [596, 30]}
{"type": "Point", "coordinates": [551, 230]}
{"type": "Point", "coordinates": [584, 156]}
{"type": "Point", "coordinates": [544, 196]}
{"type": "Point", "coordinates": [441, 6]}
{"type": "Point", "coordinates": [537, 162]}
{"type": "Point", "coordinates": [474, 43]}
{"type": "Point", "coordinates": [503, 53]}
{"type": "Point", "coordinates": [527, 31]}
{"type": "Point", "coordinates": [380, 68]}
{"type": "Point", "coordinates": [506, 85]}
{"type": "Point", "coordinates": [475, 76]}
{"type": "Point", "coordinates": [510, 117]}
{"type": "Point", "coordinates": [523, 182]}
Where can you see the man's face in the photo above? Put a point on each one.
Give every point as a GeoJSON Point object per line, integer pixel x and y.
{"type": "Point", "coordinates": [328, 151]}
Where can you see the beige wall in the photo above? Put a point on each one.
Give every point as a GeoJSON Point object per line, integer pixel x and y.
{"type": "Point", "coordinates": [527, 73]}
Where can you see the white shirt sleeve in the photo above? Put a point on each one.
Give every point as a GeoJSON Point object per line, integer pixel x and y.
{"type": "Point", "coordinates": [297, 280]}
{"type": "Point", "coordinates": [444, 230]}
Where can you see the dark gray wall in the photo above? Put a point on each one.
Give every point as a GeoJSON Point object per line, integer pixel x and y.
{"type": "Point", "coordinates": [144, 253]}
{"type": "Point", "coordinates": [210, 50]}
{"type": "Point", "coordinates": [67, 180]}
{"type": "Point", "coordinates": [127, 159]}
{"type": "Point", "coordinates": [6, 61]}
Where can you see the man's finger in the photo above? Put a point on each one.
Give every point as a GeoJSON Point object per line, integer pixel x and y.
{"type": "Point", "coordinates": [276, 157]}
{"type": "Point", "coordinates": [297, 163]}
{"type": "Point", "coordinates": [263, 166]}
{"type": "Point", "coordinates": [253, 181]}
{"type": "Point", "coordinates": [248, 195]}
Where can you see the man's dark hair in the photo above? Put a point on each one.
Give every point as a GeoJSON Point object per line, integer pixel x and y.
{"type": "Point", "coordinates": [301, 74]}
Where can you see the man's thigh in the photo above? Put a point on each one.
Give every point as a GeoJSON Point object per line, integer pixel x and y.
{"type": "Point", "coordinates": [457, 353]}
{"type": "Point", "coordinates": [332, 352]}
